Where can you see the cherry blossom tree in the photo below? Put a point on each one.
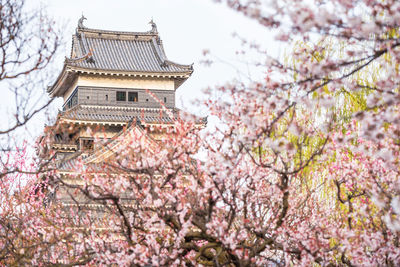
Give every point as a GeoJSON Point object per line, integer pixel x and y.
{"type": "Point", "coordinates": [28, 43]}
{"type": "Point", "coordinates": [291, 177]}
{"type": "Point", "coordinates": [27, 225]}
{"type": "Point", "coordinates": [302, 169]}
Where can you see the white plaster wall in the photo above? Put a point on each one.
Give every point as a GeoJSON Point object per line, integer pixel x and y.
{"type": "Point", "coordinates": [143, 83]}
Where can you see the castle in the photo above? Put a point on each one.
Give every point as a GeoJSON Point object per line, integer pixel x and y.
{"type": "Point", "coordinates": [113, 84]}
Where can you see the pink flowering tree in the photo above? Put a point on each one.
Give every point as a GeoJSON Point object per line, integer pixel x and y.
{"type": "Point", "coordinates": [31, 232]}
{"type": "Point", "coordinates": [309, 197]}
{"type": "Point", "coordinates": [28, 43]}
{"type": "Point", "coordinates": [302, 168]}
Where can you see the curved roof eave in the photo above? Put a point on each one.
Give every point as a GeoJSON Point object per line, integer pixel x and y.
{"type": "Point", "coordinates": [63, 80]}
{"type": "Point", "coordinates": [183, 74]}
{"type": "Point", "coordinates": [70, 72]}
{"type": "Point", "coordinates": [159, 49]}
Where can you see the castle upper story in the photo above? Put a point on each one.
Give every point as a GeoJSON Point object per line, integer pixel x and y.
{"type": "Point", "coordinates": [122, 69]}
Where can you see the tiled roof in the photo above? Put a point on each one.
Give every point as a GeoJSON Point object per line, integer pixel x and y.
{"type": "Point", "coordinates": [129, 54]}
{"type": "Point", "coordinates": [69, 164]}
{"type": "Point", "coordinates": [95, 160]}
{"type": "Point", "coordinates": [117, 114]}
{"type": "Point", "coordinates": [121, 51]}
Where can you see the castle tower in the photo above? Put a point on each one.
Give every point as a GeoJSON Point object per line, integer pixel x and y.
{"type": "Point", "coordinates": [112, 81]}
{"type": "Point", "coordinates": [113, 78]}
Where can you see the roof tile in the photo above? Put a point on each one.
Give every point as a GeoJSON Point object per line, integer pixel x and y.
{"type": "Point", "coordinates": [120, 114]}
{"type": "Point", "coordinates": [121, 52]}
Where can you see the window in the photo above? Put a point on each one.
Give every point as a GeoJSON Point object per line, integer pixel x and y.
{"type": "Point", "coordinates": [133, 97]}
{"type": "Point", "coordinates": [106, 97]}
{"type": "Point", "coordinates": [72, 100]}
{"type": "Point", "coordinates": [87, 144]}
{"type": "Point", "coordinates": [121, 96]}
{"type": "Point", "coordinates": [165, 100]}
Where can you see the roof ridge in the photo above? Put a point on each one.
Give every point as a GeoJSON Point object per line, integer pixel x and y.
{"type": "Point", "coordinates": [91, 30]}
{"type": "Point", "coordinates": [156, 47]}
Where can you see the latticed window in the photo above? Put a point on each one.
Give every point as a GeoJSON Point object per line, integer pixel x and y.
{"type": "Point", "coordinates": [133, 97]}
{"type": "Point", "coordinates": [121, 96]}
{"type": "Point", "coordinates": [72, 100]}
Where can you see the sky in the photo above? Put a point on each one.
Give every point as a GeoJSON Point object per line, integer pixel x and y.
{"type": "Point", "coordinates": [186, 27]}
